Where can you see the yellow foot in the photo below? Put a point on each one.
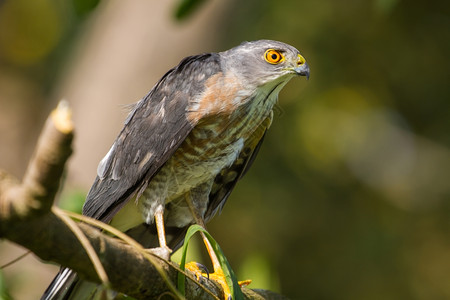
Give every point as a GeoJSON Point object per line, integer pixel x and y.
{"type": "Point", "coordinates": [199, 270]}
{"type": "Point", "coordinates": [218, 276]}
{"type": "Point", "coordinates": [244, 283]}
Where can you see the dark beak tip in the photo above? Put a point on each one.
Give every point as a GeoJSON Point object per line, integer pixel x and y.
{"type": "Point", "coordinates": [303, 70]}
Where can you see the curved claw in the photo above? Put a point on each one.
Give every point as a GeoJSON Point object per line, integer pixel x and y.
{"type": "Point", "coordinates": [198, 269]}
{"type": "Point", "coordinates": [203, 268]}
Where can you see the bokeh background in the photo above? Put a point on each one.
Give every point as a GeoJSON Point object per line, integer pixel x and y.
{"type": "Point", "coordinates": [350, 195]}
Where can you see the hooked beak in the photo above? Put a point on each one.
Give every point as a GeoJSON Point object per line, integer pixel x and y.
{"type": "Point", "coordinates": [302, 70]}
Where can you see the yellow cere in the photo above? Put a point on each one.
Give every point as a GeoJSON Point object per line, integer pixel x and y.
{"type": "Point", "coordinates": [273, 56]}
{"type": "Point", "coordinates": [301, 60]}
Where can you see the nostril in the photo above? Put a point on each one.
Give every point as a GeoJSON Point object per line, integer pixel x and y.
{"type": "Point", "coordinates": [300, 60]}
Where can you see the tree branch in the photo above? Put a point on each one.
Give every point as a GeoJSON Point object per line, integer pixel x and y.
{"type": "Point", "coordinates": [26, 218]}
{"type": "Point", "coordinates": [35, 194]}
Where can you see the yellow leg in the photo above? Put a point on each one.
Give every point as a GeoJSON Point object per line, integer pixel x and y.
{"type": "Point", "coordinates": [218, 275]}
{"type": "Point", "coordinates": [159, 220]}
{"type": "Point", "coordinates": [212, 254]}
{"type": "Point", "coordinates": [163, 251]}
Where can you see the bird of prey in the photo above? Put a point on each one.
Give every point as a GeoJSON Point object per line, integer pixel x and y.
{"type": "Point", "coordinates": [185, 145]}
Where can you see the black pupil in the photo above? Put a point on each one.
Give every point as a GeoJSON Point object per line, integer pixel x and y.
{"type": "Point", "coordinates": [274, 56]}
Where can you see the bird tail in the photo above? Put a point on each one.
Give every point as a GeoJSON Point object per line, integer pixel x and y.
{"type": "Point", "coordinates": [61, 286]}
{"type": "Point", "coordinates": [68, 286]}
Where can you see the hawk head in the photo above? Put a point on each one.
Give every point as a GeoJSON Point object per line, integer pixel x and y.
{"type": "Point", "coordinates": [264, 61]}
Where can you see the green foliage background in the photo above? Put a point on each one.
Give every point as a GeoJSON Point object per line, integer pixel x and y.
{"type": "Point", "coordinates": [349, 197]}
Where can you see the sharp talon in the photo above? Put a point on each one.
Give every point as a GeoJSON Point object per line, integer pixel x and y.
{"type": "Point", "coordinates": [203, 268]}
{"type": "Point", "coordinates": [198, 269]}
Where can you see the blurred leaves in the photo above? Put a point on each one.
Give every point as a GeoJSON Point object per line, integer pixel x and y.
{"type": "Point", "coordinates": [256, 266]}
{"type": "Point", "coordinates": [84, 7]}
{"type": "Point", "coordinates": [4, 294]}
{"type": "Point", "coordinates": [346, 128]}
{"type": "Point", "coordinates": [185, 8]}
{"type": "Point", "coordinates": [29, 30]}
{"type": "Point", "coordinates": [72, 200]}
{"type": "Point", "coordinates": [385, 6]}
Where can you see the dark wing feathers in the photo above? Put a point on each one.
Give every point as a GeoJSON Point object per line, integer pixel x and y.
{"type": "Point", "coordinates": [152, 132]}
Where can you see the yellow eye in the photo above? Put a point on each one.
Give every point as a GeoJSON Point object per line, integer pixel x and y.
{"type": "Point", "coordinates": [273, 56]}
